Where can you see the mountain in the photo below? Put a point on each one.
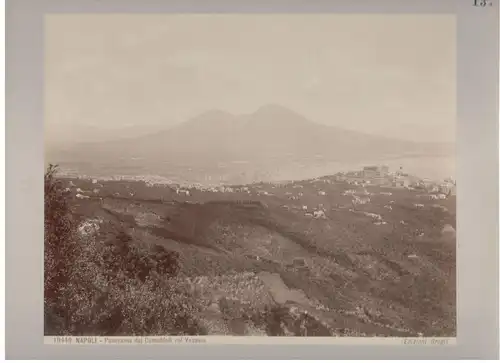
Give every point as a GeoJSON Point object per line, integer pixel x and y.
{"type": "Point", "coordinates": [271, 135]}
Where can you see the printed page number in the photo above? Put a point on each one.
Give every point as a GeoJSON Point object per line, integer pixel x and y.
{"type": "Point", "coordinates": [482, 3]}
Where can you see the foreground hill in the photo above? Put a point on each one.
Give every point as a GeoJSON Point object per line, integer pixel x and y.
{"type": "Point", "coordinates": [292, 259]}
{"type": "Point", "coordinates": [271, 138]}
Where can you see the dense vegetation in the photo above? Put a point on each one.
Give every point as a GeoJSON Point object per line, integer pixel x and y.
{"type": "Point", "coordinates": [107, 287]}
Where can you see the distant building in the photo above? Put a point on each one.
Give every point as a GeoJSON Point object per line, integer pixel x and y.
{"type": "Point", "coordinates": [447, 188]}
{"type": "Point", "coordinates": [405, 180]}
{"type": "Point", "coordinates": [427, 183]}
{"type": "Point", "coordinates": [450, 180]}
{"type": "Point", "coordinates": [401, 182]}
{"type": "Point", "coordinates": [370, 172]}
{"type": "Point", "coordinates": [353, 174]}
{"type": "Point", "coordinates": [379, 181]}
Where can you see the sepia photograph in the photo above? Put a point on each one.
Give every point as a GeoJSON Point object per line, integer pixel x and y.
{"type": "Point", "coordinates": [249, 175]}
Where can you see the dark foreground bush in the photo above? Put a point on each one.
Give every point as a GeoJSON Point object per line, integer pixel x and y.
{"type": "Point", "coordinates": [59, 246]}
{"type": "Point", "coordinates": [93, 287]}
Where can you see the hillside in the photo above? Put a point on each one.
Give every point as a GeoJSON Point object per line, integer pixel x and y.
{"type": "Point", "coordinates": [291, 259]}
{"type": "Point", "coordinates": [218, 142]}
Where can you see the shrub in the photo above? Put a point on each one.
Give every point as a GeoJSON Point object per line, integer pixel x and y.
{"type": "Point", "coordinates": [59, 244]}
{"type": "Point", "coordinates": [114, 287]}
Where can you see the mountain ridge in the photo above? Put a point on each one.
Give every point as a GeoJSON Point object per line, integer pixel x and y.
{"type": "Point", "coordinates": [260, 116]}
{"type": "Point", "coordinates": [272, 136]}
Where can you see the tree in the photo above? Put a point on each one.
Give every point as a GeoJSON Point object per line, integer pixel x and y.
{"type": "Point", "coordinates": [59, 242]}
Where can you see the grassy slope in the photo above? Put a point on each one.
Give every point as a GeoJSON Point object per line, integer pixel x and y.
{"type": "Point", "coordinates": [358, 272]}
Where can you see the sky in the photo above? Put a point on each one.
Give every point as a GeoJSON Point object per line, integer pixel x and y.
{"type": "Point", "coordinates": [393, 75]}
